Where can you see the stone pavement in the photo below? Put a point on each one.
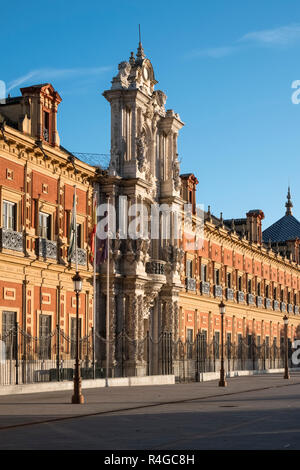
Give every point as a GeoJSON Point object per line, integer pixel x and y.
{"type": "Point", "coordinates": [252, 412]}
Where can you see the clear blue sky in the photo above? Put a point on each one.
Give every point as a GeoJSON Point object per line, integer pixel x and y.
{"type": "Point", "coordinates": [227, 67]}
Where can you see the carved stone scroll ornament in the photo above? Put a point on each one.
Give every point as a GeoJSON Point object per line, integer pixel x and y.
{"type": "Point", "coordinates": [140, 152]}
{"type": "Point", "coordinates": [148, 303]}
{"type": "Point", "coordinates": [176, 174]}
{"type": "Point", "coordinates": [174, 257]}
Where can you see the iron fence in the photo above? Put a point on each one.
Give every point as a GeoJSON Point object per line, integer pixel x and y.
{"type": "Point", "coordinates": [28, 359]}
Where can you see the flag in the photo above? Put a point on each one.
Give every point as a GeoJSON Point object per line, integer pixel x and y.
{"type": "Point", "coordinates": [93, 234]}
{"type": "Point", "coordinates": [72, 232]}
{"type": "Point", "coordinates": [102, 252]}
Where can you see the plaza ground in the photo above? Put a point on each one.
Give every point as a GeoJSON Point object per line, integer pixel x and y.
{"type": "Point", "coordinates": [261, 412]}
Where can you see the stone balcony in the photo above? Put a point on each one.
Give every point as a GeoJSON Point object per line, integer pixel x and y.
{"type": "Point", "coordinates": [218, 291]}
{"type": "Point", "coordinates": [11, 240]}
{"type": "Point", "coordinates": [190, 283]}
{"type": "Point", "coordinates": [205, 288]}
{"type": "Point", "coordinates": [46, 248]}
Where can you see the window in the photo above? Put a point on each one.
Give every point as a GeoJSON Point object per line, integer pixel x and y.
{"type": "Point", "coordinates": [203, 272]}
{"type": "Point", "coordinates": [45, 225]}
{"type": "Point", "coordinates": [79, 236]}
{"type": "Point", "coordinates": [275, 293]}
{"type": "Point", "coordinates": [240, 283]}
{"type": "Point", "coordinates": [46, 126]}
{"type": "Point", "coordinates": [217, 277]}
{"type": "Point", "coordinates": [73, 336]}
{"type": "Point", "coordinates": [258, 289]}
{"type": "Point", "coordinates": [229, 280]}
{"type": "Point", "coordinates": [240, 345]}
{"type": "Point", "coordinates": [189, 340]}
{"type": "Point", "coordinates": [249, 286]}
{"type": "Point", "coordinates": [8, 334]}
{"type": "Point", "coordinates": [45, 338]}
{"type": "Point", "coordinates": [282, 295]}
{"type": "Point", "coordinates": [228, 345]}
{"type": "Point", "coordinates": [189, 268]}
{"type": "Point", "coordinates": [9, 215]}
{"type": "Point", "coordinates": [249, 339]}
{"type": "Point", "coordinates": [267, 339]}
{"type": "Point", "coordinates": [217, 345]}
{"type": "Point", "coordinates": [289, 297]}
{"type": "Point", "coordinates": [267, 291]}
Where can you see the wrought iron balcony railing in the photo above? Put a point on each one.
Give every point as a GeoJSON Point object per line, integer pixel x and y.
{"type": "Point", "coordinates": [46, 248]}
{"type": "Point", "coordinates": [268, 304]}
{"type": "Point", "coordinates": [283, 306]}
{"type": "Point", "coordinates": [81, 256]}
{"type": "Point", "coordinates": [229, 293]}
{"type": "Point", "coordinates": [276, 305]}
{"type": "Point", "coordinates": [11, 240]}
{"type": "Point", "coordinates": [155, 267]}
{"type": "Point", "coordinates": [251, 299]}
{"type": "Point", "coordinates": [218, 291]}
{"type": "Point", "coordinates": [290, 308]}
{"type": "Point", "coordinates": [240, 297]}
{"type": "Point", "coordinates": [190, 284]}
{"type": "Point", "coordinates": [296, 310]}
{"type": "Point", "coordinates": [259, 301]}
{"type": "Point", "coordinates": [205, 288]}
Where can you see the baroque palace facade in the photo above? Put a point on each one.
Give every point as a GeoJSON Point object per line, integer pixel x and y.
{"type": "Point", "coordinates": [161, 286]}
{"type": "Point", "coordinates": [158, 287]}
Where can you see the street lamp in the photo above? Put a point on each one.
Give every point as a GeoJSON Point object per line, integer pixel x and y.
{"type": "Point", "coordinates": [222, 382]}
{"type": "Point", "coordinates": [286, 365]}
{"type": "Point", "coordinates": [77, 398]}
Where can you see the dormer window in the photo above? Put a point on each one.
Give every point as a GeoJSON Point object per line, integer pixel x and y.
{"type": "Point", "coordinates": [46, 126]}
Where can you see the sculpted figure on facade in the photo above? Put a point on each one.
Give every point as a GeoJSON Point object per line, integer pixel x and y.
{"type": "Point", "coordinates": [121, 80]}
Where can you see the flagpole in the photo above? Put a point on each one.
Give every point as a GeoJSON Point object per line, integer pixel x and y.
{"type": "Point", "coordinates": [75, 217]}
{"type": "Point", "coordinates": [107, 294]}
{"type": "Point", "coordinates": [94, 283]}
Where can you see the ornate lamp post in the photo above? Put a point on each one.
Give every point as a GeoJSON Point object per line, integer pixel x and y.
{"type": "Point", "coordinates": [222, 382]}
{"type": "Point", "coordinates": [77, 398]}
{"type": "Point", "coordinates": [286, 364]}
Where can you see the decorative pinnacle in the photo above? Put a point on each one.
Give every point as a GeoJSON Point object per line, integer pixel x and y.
{"type": "Point", "coordinates": [289, 203]}
{"type": "Point", "coordinates": [140, 51]}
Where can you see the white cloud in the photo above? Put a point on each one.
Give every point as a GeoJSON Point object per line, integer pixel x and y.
{"type": "Point", "coordinates": [46, 75]}
{"type": "Point", "coordinates": [283, 35]}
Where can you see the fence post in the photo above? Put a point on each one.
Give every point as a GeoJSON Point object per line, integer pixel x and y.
{"type": "Point", "coordinates": [17, 353]}
{"type": "Point", "coordinates": [93, 353]}
{"type": "Point", "coordinates": [148, 354]}
{"type": "Point", "coordinates": [57, 351]}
